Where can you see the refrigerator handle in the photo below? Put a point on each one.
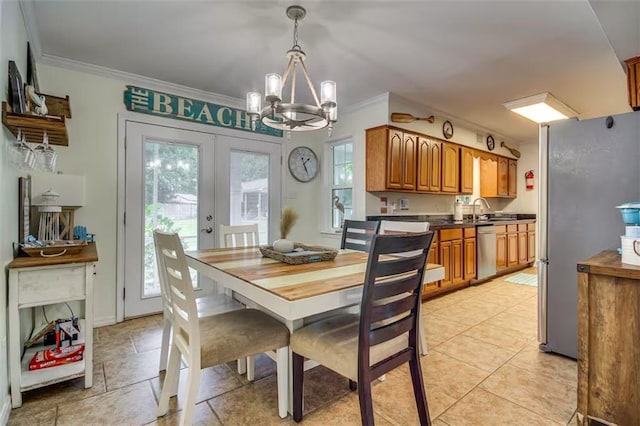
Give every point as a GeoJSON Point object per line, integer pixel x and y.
{"type": "Point", "coordinates": [542, 231]}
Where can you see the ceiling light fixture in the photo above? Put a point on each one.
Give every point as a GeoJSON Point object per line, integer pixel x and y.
{"type": "Point", "coordinates": [294, 116]}
{"type": "Point", "coordinates": [541, 108]}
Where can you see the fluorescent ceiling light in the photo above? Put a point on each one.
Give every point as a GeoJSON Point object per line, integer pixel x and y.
{"type": "Point", "coordinates": [541, 108]}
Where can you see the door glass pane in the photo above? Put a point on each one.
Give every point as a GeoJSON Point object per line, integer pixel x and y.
{"type": "Point", "coordinates": [170, 201]}
{"type": "Point", "coordinates": [249, 181]}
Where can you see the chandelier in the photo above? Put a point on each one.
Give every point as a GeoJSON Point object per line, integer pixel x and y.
{"type": "Point", "coordinates": [292, 116]}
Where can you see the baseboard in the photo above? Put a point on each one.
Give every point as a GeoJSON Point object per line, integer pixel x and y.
{"type": "Point", "coordinates": [104, 321]}
{"type": "Point", "coordinates": [6, 410]}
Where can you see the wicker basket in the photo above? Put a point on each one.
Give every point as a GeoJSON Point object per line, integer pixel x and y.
{"type": "Point", "coordinates": [301, 254]}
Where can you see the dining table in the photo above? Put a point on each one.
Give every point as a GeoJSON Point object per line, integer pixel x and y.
{"type": "Point", "coordinates": [296, 294]}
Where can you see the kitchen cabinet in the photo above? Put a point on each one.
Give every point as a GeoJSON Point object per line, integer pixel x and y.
{"type": "Point", "coordinates": [513, 179]}
{"type": "Point", "coordinates": [466, 170]}
{"type": "Point", "coordinates": [450, 167]}
{"type": "Point", "coordinates": [35, 282]}
{"type": "Point", "coordinates": [432, 287]}
{"type": "Point", "coordinates": [531, 242]}
{"type": "Point", "coordinates": [523, 244]}
{"type": "Point", "coordinates": [501, 247]}
{"type": "Point", "coordinates": [429, 159]}
{"type": "Point", "coordinates": [469, 253]}
{"type": "Point", "coordinates": [608, 341]}
{"type": "Point", "coordinates": [391, 159]}
{"type": "Point", "coordinates": [633, 81]}
{"type": "Point", "coordinates": [451, 257]}
{"type": "Point", "coordinates": [498, 176]}
{"type": "Point", "coordinates": [512, 245]}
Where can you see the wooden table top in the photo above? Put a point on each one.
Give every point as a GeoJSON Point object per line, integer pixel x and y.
{"type": "Point", "coordinates": [88, 254]}
{"type": "Point", "coordinates": [291, 282]}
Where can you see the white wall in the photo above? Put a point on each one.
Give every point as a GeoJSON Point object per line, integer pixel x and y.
{"type": "Point", "coordinates": [13, 46]}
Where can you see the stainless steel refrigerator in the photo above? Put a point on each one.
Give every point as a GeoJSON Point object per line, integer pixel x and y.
{"type": "Point", "coordinates": [590, 169]}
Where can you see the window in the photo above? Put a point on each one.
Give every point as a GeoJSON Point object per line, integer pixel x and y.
{"type": "Point", "coordinates": [341, 182]}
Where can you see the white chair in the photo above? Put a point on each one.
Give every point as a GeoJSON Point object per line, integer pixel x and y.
{"type": "Point", "coordinates": [399, 227]}
{"type": "Point", "coordinates": [240, 236]}
{"type": "Point", "coordinates": [205, 342]}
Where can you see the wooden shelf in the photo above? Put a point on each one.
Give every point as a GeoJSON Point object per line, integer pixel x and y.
{"type": "Point", "coordinates": [33, 126]}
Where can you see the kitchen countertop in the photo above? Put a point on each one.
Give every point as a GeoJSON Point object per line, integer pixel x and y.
{"type": "Point", "coordinates": [446, 221]}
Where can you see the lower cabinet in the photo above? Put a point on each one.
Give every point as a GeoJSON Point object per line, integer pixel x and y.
{"type": "Point", "coordinates": [531, 245]}
{"type": "Point", "coordinates": [469, 252]}
{"type": "Point", "coordinates": [501, 247]}
{"type": "Point", "coordinates": [430, 288]}
{"type": "Point", "coordinates": [523, 244]}
{"type": "Point", "coordinates": [512, 245]}
{"type": "Point", "coordinates": [451, 257]}
{"type": "Point", "coordinates": [515, 245]}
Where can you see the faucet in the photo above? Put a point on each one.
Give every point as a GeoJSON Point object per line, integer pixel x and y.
{"type": "Point", "coordinates": [474, 206]}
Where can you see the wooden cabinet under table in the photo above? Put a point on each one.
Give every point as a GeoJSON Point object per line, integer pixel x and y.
{"type": "Point", "coordinates": [608, 340]}
{"type": "Point", "coordinates": [39, 281]}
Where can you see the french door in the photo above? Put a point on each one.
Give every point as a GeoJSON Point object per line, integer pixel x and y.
{"type": "Point", "coordinates": [190, 182]}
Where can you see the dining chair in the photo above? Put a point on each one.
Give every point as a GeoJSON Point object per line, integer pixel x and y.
{"type": "Point", "coordinates": [205, 342]}
{"type": "Point", "coordinates": [402, 227]}
{"type": "Point", "coordinates": [357, 234]}
{"type": "Point", "coordinates": [206, 306]}
{"type": "Point", "coordinates": [385, 333]}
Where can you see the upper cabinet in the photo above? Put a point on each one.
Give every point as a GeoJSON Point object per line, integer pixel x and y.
{"type": "Point", "coordinates": [450, 170]}
{"type": "Point", "coordinates": [498, 176]}
{"type": "Point", "coordinates": [391, 159]}
{"type": "Point", "coordinates": [429, 158]}
{"type": "Point", "coordinates": [466, 170]}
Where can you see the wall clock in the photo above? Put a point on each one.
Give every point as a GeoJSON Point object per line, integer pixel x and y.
{"type": "Point", "coordinates": [303, 164]}
{"type": "Point", "coordinates": [491, 143]}
{"type": "Point", "coordinates": [447, 129]}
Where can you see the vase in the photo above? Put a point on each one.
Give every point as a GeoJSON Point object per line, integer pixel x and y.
{"type": "Point", "coordinates": [283, 245]}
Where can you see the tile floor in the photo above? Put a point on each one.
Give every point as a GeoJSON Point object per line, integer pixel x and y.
{"type": "Point", "coordinates": [483, 368]}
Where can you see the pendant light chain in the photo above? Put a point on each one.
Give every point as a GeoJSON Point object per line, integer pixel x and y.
{"type": "Point", "coordinates": [295, 34]}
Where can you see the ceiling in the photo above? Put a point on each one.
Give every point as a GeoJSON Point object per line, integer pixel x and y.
{"type": "Point", "coordinates": [461, 58]}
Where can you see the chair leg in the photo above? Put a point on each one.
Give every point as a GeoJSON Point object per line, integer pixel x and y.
{"type": "Point", "coordinates": [353, 385]}
{"type": "Point", "coordinates": [242, 365]}
{"type": "Point", "coordinates": [298, 386]}
{"type": "Point", "coordinates": [191, 395]}
{"type": "Point", "coordinates": [171, 379]}
{"type": "Point", "coordinates": [423, 340]}
{"type": "Point", "coordinates": [418, 390]}
{"type": "Point", "coordinates": [251, 369]}
{"type": "Point", "coordinates": [166, 343]}
{"type": "Point", "coordinates": [282, 373]}
{"type": "Point", "coordinates": [366, 402]}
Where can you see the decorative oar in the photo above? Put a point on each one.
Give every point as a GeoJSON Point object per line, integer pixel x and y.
{"type": "Point", "coordinates": [403, 117]}
{"type": "Point", "coordinates": [513, 151]}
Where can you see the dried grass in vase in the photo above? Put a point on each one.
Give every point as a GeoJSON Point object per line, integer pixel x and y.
{"type": "Point", "coordinates": [287, 220]}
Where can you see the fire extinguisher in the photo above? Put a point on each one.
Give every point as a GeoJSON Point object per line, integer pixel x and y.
{"type": "Point", "coordinates": [529, 179]}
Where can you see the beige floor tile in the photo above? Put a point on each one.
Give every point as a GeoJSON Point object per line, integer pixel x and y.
{"type": "Point", "coordinates": [438, 422]}
{"type": "Point", "coordinates": [480, 407]}
{"type": "Point", "coordinates": [71, 390]}
{"type": "Point", "coordinates": [344, 412]}
{"type": "Point", "coordinates": [506, 300]}
{"type": "Point", "coordinates": [394, 399]}
{"type": "Point", "coordinates": [203, 415]}
{"type": "Point", "coordinates": [470, 312]}
{"type": "Point", "coordinates": [41, 415]}
{"type": "Point", "coordinates": [546, 397]}
{"type": "Point", "coordinates": [148, 340]}
{"type": "Point", "coordinates": [527, 309]}
{"type": "Point", "coordinates": [436, 304]}
{"type": "Point", "coordinates": [132, 368]}
{"type": "Point", "coordinates": [499, 336]}
{"type": "Point", "coordinates": [112, 347]}
{"type": "Point", "coordinates": [454, 377]}
{"type": "Point", "coordinates": [515, 322]}
{"type": "Point", "coordinates": [476, 353]}
{"type": "Point", "coordinates": [255, 403]}
{"type": "Point", "coordinates": [439, 330]}
{"type": "Point", "coordinates": [264, 367]}
{"type": "Point", "coordinates": [322, 386]}
{"type": "Point", "coordinates": [509, 289]}
{"type": "Point", "coordinates": [133, 404]}
{"type": "Point", "coordinates": [552, 366]}
{"type": "Point", "coordinates": [214, 381]}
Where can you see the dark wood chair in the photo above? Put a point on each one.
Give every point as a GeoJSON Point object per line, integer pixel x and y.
{"type": "Point", "coordinates": [365, 346]}
{"type": "Point", "coordinates": [357, 234]}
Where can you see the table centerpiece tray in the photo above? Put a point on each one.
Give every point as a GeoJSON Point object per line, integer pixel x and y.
{"type": "Point", "coordinates": [301, 254]}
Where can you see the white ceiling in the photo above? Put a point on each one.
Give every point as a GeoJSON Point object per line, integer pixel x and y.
{"type": "Point", "coordinates": [463, 58]}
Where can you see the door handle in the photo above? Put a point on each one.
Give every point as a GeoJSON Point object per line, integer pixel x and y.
{"type": "Point", "coordinates": [208, 230]}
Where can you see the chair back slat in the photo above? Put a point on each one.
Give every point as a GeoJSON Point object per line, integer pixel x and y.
{"type": "Point", "coordinates": [389, 310]}
{"type": "Point", "coordinates": [392, 290]}
{"type": "Point", "coordinates": [391, 331]}
{"type": "Point", "coordinates": [179, 289]}
{"type": "Point", "coordinates": [357, 234]}
{"type": "Point", "coordinates": [394, 287]}
{"type": "Point", "coordinates": [239, 235]}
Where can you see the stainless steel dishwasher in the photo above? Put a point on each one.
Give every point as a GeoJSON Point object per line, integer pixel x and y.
{"type": "Point", "coordinates": [486, 251]}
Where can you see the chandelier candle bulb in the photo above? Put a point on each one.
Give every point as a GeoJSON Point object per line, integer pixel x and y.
{"type": "Point", "coordinates": [328, 93]}
{"type": "Point", "coordinates": [273, 87]}
{"type": "Point", "coordinates": [254, 102]}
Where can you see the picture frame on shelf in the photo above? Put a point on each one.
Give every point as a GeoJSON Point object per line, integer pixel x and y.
{"type": "Point", "coordinates": [16, 89]}
{"type": "Point", "coordinates": [32, 74]}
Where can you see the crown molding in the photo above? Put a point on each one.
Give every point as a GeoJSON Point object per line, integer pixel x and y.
{"type": "Point", "coordinates": [383, 97]}
{"type": "Point", "coordinates": [147, 82]}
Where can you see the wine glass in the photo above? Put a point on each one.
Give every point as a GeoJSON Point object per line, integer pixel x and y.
{"type": "Point", "coordinates": [45, 155]}
{"type": "Point", "coordinates": [20, 153]}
